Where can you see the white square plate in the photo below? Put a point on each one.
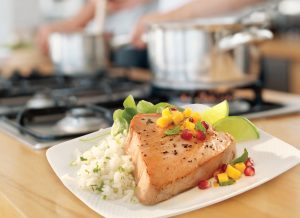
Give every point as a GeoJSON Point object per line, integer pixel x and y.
{"type": "Point", "coordinates": [271, 155]}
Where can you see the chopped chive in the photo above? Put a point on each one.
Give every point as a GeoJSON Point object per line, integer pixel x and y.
{"type": "Point", "coordinates": [83, 159]}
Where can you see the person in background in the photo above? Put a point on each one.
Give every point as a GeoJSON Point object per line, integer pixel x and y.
{"type": "Point", "coordinates": [179, 10]}
{"type": "Point", "coordinates": [122, 15]}
{"type": "Point", "coordinates": [169, 10]}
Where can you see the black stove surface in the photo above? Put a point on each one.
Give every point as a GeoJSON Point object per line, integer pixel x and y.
{"type": "Point", "coordinates": [18, 92]}
{"type": "Point", "coordinates": [70, 100]}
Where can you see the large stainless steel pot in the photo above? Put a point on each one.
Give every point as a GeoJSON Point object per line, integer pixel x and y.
{"type": "Point", "coordinates": [78, 53]}
{"type": "Point", "coordinates": [198, 55]}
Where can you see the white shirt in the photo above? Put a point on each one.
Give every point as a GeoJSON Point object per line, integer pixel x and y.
{"type": "Point", "coordinates": [167, 5]}
{"type": "Point", "coordinates": [122, 22]}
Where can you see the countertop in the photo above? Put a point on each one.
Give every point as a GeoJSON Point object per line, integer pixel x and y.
{"type": "Point", "coordinates": [29, 187]}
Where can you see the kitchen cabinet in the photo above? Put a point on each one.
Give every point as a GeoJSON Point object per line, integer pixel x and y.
{"type": "Point", "coordinates": [286, 50]}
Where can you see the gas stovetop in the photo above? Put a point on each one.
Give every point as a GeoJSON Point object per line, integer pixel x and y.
{"type": "Point", "coordinates": [43, 111]}
{"type": "Point", "coordinates": [36, 91]}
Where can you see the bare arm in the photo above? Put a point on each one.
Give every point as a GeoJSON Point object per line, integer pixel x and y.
{"type": "Point", "coordinates": [193, 9]}
{"type": "Point", "coordinates": [81, 19]}
{"type": "Point", "coordinates": [76, 22]}
{"type": "Point", "coordinates": [72, 24]}
{"type": "Point", "coordinates": [202, 8]}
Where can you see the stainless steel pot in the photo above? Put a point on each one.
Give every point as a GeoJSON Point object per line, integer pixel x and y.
{"type": "Point", "coordinates": [78, 53]}
{"type": "Point", "coordinates": [195, 55]}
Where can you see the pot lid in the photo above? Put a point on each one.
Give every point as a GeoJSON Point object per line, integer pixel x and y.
{"type": "Point", "coordinates": [250, 17]}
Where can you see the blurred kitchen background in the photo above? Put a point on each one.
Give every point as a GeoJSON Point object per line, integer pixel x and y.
{"type": "Point", "coordinates": [20, 20]}
{"type": "Point", "coordinates": [34, 86]}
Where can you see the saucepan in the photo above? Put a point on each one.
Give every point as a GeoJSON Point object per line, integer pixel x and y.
{"type": "Point", "coordinates": [205, 55]}
{"type": "Point", "coordinates": [82, 53]}
{"type": "Point", "coordinates": [79, 53]}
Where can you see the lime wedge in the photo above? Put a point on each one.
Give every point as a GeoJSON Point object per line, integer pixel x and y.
{"type": "Point", "coordinates": [215, 113]}
{"type": "Point", "coordinates": [239, 127]}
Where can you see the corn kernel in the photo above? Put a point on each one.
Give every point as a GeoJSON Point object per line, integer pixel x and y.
{"type": "Point", "coordinates": [240, 167]}
{"type": "Point", "coordinates": [187, 112]}
{"type": "Point", "coordinates": [232, 172]}
{"type": "Point", "coordinates": [177, 117]}
{"type": "Point", "coordinates": [166, 112]}
{"type": "Point", "coordinates": [163, 122]}
{"type": "Point", "coordinates": [196, 116]}
{"type": "Point", "coordinates": [223, 177]}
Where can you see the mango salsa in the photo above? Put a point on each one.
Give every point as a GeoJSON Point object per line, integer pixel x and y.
{"type": "Point", "coordinates": [196, 116]}
{"type": "Point", "coordinates": [166, 112]}
{"type": "Point", "coordinates": [222, 177]}
{"type": "Point", "coordinates": [177, 117]}
{"type": "Point", "coordinates": [163, 122]}
{"type": "Point", "coordinates": [188, 125]}
{"type": "Point", "coordinates": [240, 167]}
{"type": "Point", "coordinates": [187, 112]}
{"type": "Point", "coordinates": [232, 172]}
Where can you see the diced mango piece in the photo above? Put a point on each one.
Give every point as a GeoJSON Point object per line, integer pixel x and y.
{"type": "Point", "coordinates": [215, 185]}
{"type": "Point", "coordinates": [189, 125]}
{"type": "Point", "coordinates": [166, 112]}
{"type": "Point", "coordinates": [177, 117]}
{"type": "Point", "coordinates": [187, 112]}
{"type": "Point", "coordinates": [196, 116]}
{"type": "Point", "coordinates": [163, 122]}
{"type": "Point", "coordinates": [232, 172]}
{"type": "Point", "coordinates": [240, 167]}
{"type": "Point", "coordinates": [222, 177]}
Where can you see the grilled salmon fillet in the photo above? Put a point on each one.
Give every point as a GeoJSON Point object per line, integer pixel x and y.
{"type": "Point", "coordinates": [167, 165]}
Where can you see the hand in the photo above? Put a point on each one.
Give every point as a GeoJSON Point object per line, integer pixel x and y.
{"type": "Point", "coordinates": [42, 38]}
{"type": "Point", "coordinates": [117, 5]}
{"type": "Point", "coordinates": [141, 28]}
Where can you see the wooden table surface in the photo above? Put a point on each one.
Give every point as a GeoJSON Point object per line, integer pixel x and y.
{"type": "Point", "coordinates": [29, 187]}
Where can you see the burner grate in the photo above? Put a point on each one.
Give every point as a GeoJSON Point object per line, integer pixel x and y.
{"type": "Point", "coordinates": [47, 124]}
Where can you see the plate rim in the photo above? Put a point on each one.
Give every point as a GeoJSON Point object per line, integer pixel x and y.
{"type": "Point", "coordinates": [287, 167]}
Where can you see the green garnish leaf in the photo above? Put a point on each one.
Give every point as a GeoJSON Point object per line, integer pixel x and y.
{"type": "Point", "coordinates": [119, 126]}
{"type": "Point", "coordinates": [117, 114]}
{"type": "Point", "coordinates": [96, 169]}
{"type": "Point", "coordinates": [200, 127]}
{"type": "Point", "coordinates": [83, 159]}
{"type": "Point", "coordinates": [144, 107]}
{"type": "Point", "coordinates": [242, 158]}
{"type": "Point", "coordinates": [128, 114]}
{"type": "Point", "coordinates": [129, 102]}
{"type": "Point", "coordinates": [99, 188]}
{"type": "Point", "coordinates": [229, 182]}
{"type": "Point", "coordinates": [176, 130]}
{"type": "Point", "coordinates": [121, 169]}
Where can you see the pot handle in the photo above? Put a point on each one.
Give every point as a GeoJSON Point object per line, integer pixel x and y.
{"type": "Point", "coordinates": [245, 37]}
{"type": "Point", "coordinates": [124, 40]}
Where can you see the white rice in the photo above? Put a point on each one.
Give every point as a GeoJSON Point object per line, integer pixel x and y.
{"type": "Point", "coordinates": [106, 170]}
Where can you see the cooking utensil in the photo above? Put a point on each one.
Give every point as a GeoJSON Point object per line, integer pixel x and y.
{"type": "Point", "coordinates": [100, 15]}
{"type": "Point", "coordinates": [78, 53]}
{"type": "Point", "coordinates": [205, 54]}
{"type": "Point", "coordinates": [82, 53]}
